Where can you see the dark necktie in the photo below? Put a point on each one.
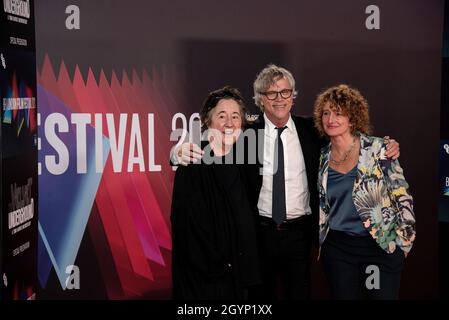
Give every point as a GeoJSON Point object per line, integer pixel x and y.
{"type": "Point", "coordinates": [279, 211]}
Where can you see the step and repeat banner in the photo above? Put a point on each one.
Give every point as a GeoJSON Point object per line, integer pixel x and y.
{"type": "Point", "coordinates": [116, 80]}
{"type": "Point", "coordinates": [18, 143]}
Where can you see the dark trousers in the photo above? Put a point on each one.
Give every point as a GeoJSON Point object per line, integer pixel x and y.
{"type": "Point", "coordinates": [357, 265]}
{"type": "Point", "coordinates": [285, 258]}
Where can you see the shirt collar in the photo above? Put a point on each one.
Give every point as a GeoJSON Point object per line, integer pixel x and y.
{"type": "Point", "coordinates": [270, 128]}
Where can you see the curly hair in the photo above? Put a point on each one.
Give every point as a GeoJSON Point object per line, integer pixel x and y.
{"type": "Point", "coordinates": [214, 97]}
{"type": "Point", "coordinates": [347, 100]}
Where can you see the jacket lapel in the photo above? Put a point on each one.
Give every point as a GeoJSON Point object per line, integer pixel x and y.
{"type": "Point", "coordinates": [307, 148]}
{"type": "Point", "coordinates": [360, 175]}
{"type": "Point", "coordinates": [324, 165]}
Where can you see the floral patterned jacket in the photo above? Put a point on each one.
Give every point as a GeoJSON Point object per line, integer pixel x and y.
{"type": "Point", "coordinates": [380, 195]}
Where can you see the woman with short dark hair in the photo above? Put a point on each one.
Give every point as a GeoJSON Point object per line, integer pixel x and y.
{"type": "Point", "coordinates": [213, 229]}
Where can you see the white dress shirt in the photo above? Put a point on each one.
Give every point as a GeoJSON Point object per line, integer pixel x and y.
{"type": "Point", "coordinates": [296, 188]}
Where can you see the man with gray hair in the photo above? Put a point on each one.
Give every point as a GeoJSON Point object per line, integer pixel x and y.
{"type": "Point", "coordinates": [286, 192]}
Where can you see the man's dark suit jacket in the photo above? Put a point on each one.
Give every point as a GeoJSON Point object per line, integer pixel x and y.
{"type": "Point", "coordinates": [311, 144]}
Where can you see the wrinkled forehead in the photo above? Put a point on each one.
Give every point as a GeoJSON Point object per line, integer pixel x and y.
{"type": "Point", "coordinates": [228, 104]}
{"type": "Point", "coordinates": [273, 82]}
{"type": "Point", "coordinates": [331, 105]}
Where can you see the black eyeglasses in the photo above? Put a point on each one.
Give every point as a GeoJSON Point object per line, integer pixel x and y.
{"type": "Point", "coordinates": [272, 95]}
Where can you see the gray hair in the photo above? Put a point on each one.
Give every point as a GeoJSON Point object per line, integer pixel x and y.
{"type": "Point", "coordinates": [267, 77]}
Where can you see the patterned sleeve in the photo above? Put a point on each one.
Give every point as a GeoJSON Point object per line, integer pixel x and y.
{"type": "Point", "coordinates": [400, 194]}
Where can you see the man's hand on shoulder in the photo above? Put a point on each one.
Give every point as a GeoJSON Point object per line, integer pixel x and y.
{"type": "Point", "coordinates": [186, 154]}
{"type": "Point", "coordinates": [392, 151]}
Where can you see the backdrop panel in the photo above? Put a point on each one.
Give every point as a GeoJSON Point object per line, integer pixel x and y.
{"type": "Point", "coordinates": [18, 150]}
{"type": "Point", "coordinates": [112, 91]}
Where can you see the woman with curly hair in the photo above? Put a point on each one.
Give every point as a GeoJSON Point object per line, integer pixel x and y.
{"type": "Point", "coordinates": [367, 224]}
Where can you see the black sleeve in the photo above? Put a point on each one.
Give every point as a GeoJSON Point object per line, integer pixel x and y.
{"type": "Point", "coordinates": [192, 225]}
{"type": "Point", "coordinates": [233, 183]}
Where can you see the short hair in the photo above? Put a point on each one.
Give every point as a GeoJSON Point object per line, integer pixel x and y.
{"type": "Point", "coordinates": [214, 97]}
{"type": "Point", "coordinates": [267, 77]}
{"type": "Point", "coordinates": [347, 100]}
